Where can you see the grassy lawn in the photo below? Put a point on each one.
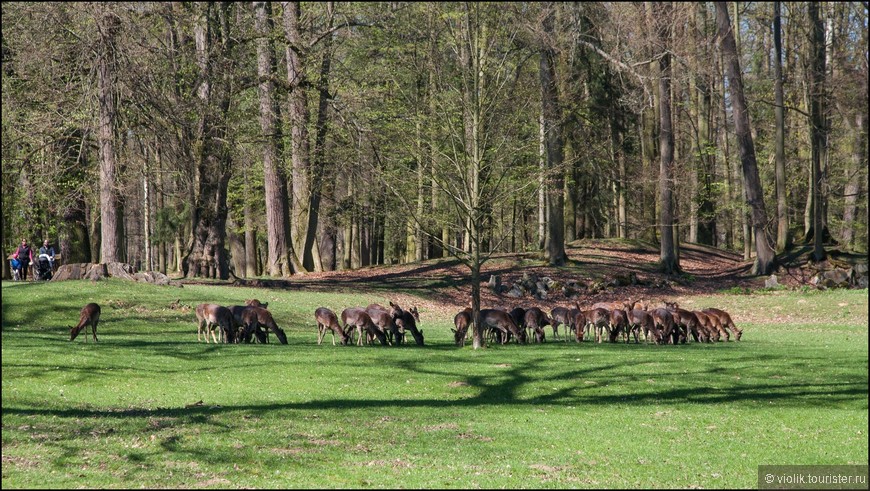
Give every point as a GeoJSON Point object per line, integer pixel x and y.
{"type": "Point", "coordinates": [149, 406]}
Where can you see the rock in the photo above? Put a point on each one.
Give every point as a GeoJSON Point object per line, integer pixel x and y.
{"type": "Point", "coordinates": [771, 282]}
{"type": "Point", "coordinates": [494, 283]}
{"type": "Point", "coordinates": [515, 292]}
{"type": "Point", "coordinates": [120, 270]}
{"type": "Point", "coordinates": [836, 278]}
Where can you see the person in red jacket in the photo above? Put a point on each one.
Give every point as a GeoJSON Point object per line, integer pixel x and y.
{"type": "Point", "coordinates": [24, 254]}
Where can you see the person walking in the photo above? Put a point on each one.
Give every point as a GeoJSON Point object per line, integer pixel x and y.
{"type": "Point", "coordinates": [24, 254]}
{"type": "Point", "coordinates": [48, 250]}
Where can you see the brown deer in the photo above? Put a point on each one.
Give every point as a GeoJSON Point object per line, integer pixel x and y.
{"type": "Point", "coordinates": [407, 322]}
{"type": "Point", "coordinates": [326, 319]}
{"type": "Point", "coordinates": [462, 321]}
{"type": "Point", "coordinates": [715, 326]}
{"type": "Point", "coordinates": [618, 324]}
{"type": "Point", "coordinates": [210, 316]}
{"type": "Point", "coordinates": [256, 303]}
{"type": "Point", "coordinates": [258, 316]}
{"type": "Point", "coordinates": [90, 316]}
{"type": "Point", "coordinates": [385, 319]}
{"type": "Point", "coordinates": [536, 319]}
{"type": "Point", "coordinates": [664, 322]}
{"type": "Point", "coordinates": [726, 323]}
{"type": "Point", "coordinates": [561, 316]}
{"type": "Point", "coordinates": [598, 318]}
{"type": "Point", "coordinates": [706, 330]}
{"type": "Point", "coordinates": [500, 321]}
{"type": "Point", "coordinates": [640, 320]}
{"type": "Point", "coordinates": [358, 318]}
{"type": "Point", "coordinates": [579, 323]}
{"type": "Point", "coordinates": [687, 321]}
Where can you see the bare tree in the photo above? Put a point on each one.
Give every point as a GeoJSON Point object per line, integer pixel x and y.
{"type": "Point", "coordinates": [552, 129]}
{"type": "Point", "coordinates": [765, 261]}
{"type": "Point", "coordinates": [109, 25]}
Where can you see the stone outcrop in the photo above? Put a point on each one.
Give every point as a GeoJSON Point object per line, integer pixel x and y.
{"type": "Point", "coordinates": [97, 272]}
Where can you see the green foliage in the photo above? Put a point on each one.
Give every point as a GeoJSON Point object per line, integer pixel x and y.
{"type": "Point", "coordinates": [149, 406]}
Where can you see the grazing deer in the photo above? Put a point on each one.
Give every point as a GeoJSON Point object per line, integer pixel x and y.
{"type": "Point", "coordinates": [501, 321]}
{"type": "Point", "coordinates": [664, 322]}
{"type": "Point", "coordinates": [358, 318]}
{"type": "Point", "coordinates": [90, 316]}
{"type": "Point", "coordinates": [561, 316]}
{"type": "Point", "coordinates": [640, 320]}
{"type": "Point", "coordinates": [518, 315]}
{"type": "Point", "coordinates": [210, 316]}
{"type": "Point", "coordinates": [618, 324]}
{"type": "Point", "coordinates": [725, 322]}
{"type": "Point", "coordinates": [715, 326]}
{"type": "Point", "coordinates": [598, 318]}
{"type": "Point", "coordinates": [579, 323]}
{"type": "Point", "coordinates": [385, 319]}
{"type": "Point", "coordinates": [687, 321]}
{"type": "Point", "coordinates": [258, 316]}
{"type": "Point", "coordinates": [407, 322]}
{"type": "Point", "coordinates": [536, 319]}
{"type": "Point", "coordinates": [462, 321]}
{"type": "Point", "coordinates": [243, 331]}
{"type": "Point", "coordinates": [326, 319]}
{"type": "Point", "coordinates": [706, 331]}
{"type": "Point", "coordinates": [256, 303]}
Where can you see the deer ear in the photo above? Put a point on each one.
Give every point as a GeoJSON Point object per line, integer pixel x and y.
{"type": "Point", "coordinates": [454, 330]}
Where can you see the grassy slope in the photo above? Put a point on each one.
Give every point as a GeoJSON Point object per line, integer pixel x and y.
{"type": "Point", "coordinates": [553, 415]}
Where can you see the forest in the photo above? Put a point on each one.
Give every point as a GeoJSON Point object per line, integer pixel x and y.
{"type": "Point", "coordinates": [210, 139]}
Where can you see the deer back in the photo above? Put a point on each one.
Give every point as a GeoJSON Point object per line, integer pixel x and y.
{"type": "Point", "coordinates": [536, 318]}
{"type": "Point", "coordinates": [256, 303]}
{"type": "Point", "coordinates": [327, 318]}
{"type": "Point", "coordinates": [462, 319]}
{"type": "Point", "coordinates": [356, 316]}
{"type": "Point", "coordinates": [618, 317]}
{"type": "Point", "coordinates": [518, 315]}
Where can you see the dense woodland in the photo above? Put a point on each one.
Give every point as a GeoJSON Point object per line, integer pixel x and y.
{"type": "Point", "coordinates": [274, 138]}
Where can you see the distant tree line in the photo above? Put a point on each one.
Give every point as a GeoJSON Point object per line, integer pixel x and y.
{"type": "Point", "coordinates": [273, 138]}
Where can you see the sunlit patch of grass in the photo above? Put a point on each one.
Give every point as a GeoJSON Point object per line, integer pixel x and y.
{"type": "Point", "coordinates": [149, 406]}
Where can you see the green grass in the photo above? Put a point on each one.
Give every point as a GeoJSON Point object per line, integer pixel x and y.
{"type": "Point", "coordinates": [115, 414]}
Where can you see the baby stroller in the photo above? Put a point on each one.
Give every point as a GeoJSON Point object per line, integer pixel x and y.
{"type": "Point", "coordinates": [43, 267]}
{"type": "Point", "coordinates": [16, 269]}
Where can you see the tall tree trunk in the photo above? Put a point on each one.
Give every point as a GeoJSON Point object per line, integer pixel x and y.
{"type": "Point", "coordinates": [296, 53]}
{"type": "Point", "coordinates": [552, 126]}
{"type": "Point", "coordinates": [765, 261]}
{"type": "Point", "coordinates": [310, 251]}
{"type": "Point", "coordinates": [858, 126]}
{"type": "Point", "coordinates": [208, 256]}
{"type": "Point", "coordinates": [668, 259]}
{"type": "Point", "coordinates": [783, 241]}
{"type": "Point", "coordinates": [250, 231]}
{"type": "Point", "coordinates": [109, 26]}
{"type": "Point", "coordinates": [817, 125]}
{"type": "Point", "coordinates": [281, 260]}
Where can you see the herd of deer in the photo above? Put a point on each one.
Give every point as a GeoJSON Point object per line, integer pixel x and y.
{"type": "Point", "coordinates": [237, 324]}
{"type": "Point", "coordinates": [387, 325]}
{"type": "Point", "coordinates": [665, 324]}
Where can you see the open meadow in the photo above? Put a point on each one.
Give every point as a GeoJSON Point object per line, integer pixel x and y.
{"type": "Point", "coordinates": [150, 406]}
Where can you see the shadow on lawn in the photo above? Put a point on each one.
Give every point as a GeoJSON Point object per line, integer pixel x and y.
{"type": "Point", "coordinates": [509, 387]}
